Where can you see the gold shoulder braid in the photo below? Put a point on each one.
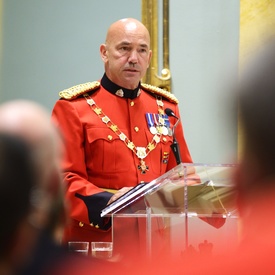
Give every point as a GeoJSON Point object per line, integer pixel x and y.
{"type": "Point", "coordinates": [78, 90]}
{"type": "Point", "coordinates": [161, 92]}
{"type": "Point", "coordinates": [140, 152]}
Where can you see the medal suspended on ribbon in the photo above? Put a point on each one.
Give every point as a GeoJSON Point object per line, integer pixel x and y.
{"type": "Point", "coordinates": [167, 124]}
{"type": "Point", "coordinates": [151, 123]}
{"type": "Point", "coordinates": [163, 126]}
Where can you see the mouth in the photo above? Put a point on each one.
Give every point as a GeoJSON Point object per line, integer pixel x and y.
{"type": "Point", "coordinates": [131, 71]}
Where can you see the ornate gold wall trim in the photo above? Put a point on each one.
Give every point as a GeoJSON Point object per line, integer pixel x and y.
{"type": "Point", "coordinates": [150, 18]}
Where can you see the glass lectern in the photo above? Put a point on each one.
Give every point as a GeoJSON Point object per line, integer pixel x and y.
{"type": "Point", "coordinates": [190, 209]}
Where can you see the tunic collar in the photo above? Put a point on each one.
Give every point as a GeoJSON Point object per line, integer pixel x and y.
{"type": "Point", "coordinates": [117, 90]}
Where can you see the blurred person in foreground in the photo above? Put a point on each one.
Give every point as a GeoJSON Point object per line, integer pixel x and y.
{"type": "Point", "coordinates": [116, 133]}
{"type": "Point", "coordinates": [31, 194]}
{"type": "Point", "coordinates": [254, 178]}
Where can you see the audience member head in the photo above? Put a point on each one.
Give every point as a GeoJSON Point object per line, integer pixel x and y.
{"type": "Point", "coordinates": [32, 171]}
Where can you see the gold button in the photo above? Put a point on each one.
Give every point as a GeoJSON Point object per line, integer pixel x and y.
{"type": "Point", "coordinates": [132, 103]}
{"type": "Point", "coordinates": [136, 129]}
{"type": "Point", "coordinates": [164, 139]}
{"type": "Point", "coordinates": [81, 224]}
{"type": "Point", "coordinates": [110, 137]}
{"type": "Point", "coordinates": [91, 224]}
{"type": "Point", "coordinates": [97, 226]}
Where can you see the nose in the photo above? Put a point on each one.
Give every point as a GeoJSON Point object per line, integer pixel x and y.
{"type": "Point", "coordinates": [133, 58]}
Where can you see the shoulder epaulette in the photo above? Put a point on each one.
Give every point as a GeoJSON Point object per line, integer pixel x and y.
{"type": "Point", "coordinates": [158, 91]}
{"type": "Point", "coordinates": [78, 90]}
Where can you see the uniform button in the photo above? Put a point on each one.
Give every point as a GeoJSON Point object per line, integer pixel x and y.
{"type": "Point", "coordinates": [91, 224]}
{"type": "Point", "coordinates": [136, 129]}
{"type": "Point", "coordinates": [164, 139]}
{"type": "Point", "coordinates": [132, 103]}
{"type": "Point", "coordinates": [110, 137]}
{"type": "Point", "coordinates": [81, 224]}
{"type": "Point", "coordinates": [97, 226]}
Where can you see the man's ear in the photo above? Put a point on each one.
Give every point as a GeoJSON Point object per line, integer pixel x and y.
{"type": "Point", "coordinates": [149, 59]}
{"type": "Point", "coordinates": [103, 52]}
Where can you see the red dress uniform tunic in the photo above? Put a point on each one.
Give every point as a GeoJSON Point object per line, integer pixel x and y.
{"type": "Point", "coordinates": [97, 158]}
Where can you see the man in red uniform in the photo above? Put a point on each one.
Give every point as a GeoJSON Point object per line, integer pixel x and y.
{"type": "Point", "coordinates": [115, 130]}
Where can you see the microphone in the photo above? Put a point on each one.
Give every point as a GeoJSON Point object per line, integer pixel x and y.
{"type": "Point", "coordinates": [170, 112]}
{"type": "Point", "coordinates": [174, 146]}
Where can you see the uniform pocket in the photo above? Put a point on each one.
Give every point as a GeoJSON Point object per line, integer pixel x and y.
{"type": "Point", "coordinates": [106, 152]}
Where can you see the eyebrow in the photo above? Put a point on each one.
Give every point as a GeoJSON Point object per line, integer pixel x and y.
{"type": "Point", "coordinates": [128, 43]}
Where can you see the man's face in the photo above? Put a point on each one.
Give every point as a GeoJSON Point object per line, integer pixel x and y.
{"type": "Point", "coordinates": [126, 55]}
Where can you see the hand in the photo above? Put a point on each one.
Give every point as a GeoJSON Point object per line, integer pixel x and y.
{"type": "Point", "coordinates": [119, 193]}
{"type": "Point", "coordinates": [190, 176]}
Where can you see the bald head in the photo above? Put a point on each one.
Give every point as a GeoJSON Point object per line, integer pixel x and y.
{"type": "Point", "coordinates": [127, 25]}
{"type": "Point", "coordinates": [26, 119]}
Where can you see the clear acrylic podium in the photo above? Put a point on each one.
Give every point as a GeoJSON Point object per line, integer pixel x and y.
{"type": "Point", "coordinates": [190, 209]}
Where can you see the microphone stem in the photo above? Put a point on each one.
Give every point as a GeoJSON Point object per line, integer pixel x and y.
{"type": "Point", "coordinates": [175, 148]}
{"type": "Point", "coordinates": [173, 130]}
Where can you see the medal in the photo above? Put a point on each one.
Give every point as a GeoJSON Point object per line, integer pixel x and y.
{"type": "Point", "coordinates": [153, 130]}
{"type": "Point", "coordinates": [164, 130]}
{"type": "Point", "coordinates": [156, 121]}
{"type": "Point", "coordinates": [151, 124]}
{"type": "Point", "coordinates": [163, 124]}
{"type": "Point", "coordinates": [167, 124]}
{"type": "Point", "coordinates": [143, 167]}
{"type": "Point", "coordinates": [141, 152]}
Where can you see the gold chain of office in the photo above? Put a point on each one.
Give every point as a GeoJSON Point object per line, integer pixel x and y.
{"type": "Point", "coordinates": [140, 152]}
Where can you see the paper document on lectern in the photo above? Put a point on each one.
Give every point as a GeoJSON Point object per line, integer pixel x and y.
{"type": "Point", "coordinates": [202, 190]}
{"type": "Point", "coordinates": [206, 189]}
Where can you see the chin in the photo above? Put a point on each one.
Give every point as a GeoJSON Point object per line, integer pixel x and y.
{"type": "Point", "coordinates": [130, 83]}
